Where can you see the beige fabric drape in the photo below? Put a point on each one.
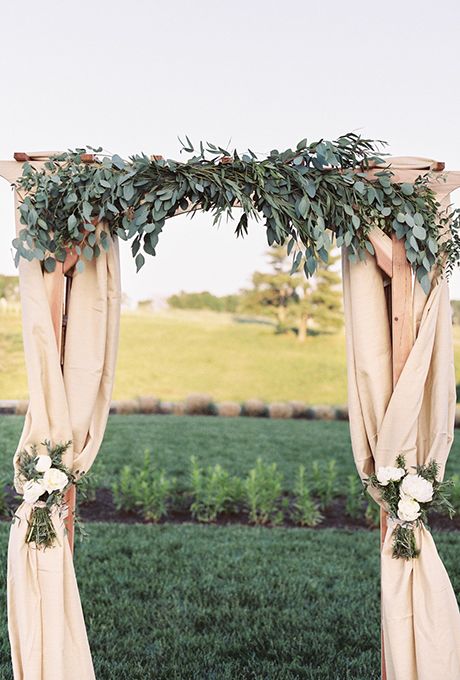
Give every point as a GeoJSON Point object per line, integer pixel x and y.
{"type": "Point", "coordinates": [421, 620]}
{"type": "Point", "coordinates": [46, 625]}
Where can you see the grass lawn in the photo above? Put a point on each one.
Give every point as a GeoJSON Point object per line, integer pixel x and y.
{"type": "Point", "coordinates": [172, 355]}
{"type": "Point", "coordinates": [231, 603]}
{"type": "Point", "coordinates": [235, 443]}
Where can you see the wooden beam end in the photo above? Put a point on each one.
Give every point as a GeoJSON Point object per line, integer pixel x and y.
{"type": "Point", "coordinates": [21, 157]}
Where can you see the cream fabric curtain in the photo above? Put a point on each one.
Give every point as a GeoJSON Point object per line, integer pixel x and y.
{"type": "Point", "coordinates": [421, 620]}
{"type": "Point", "coordinates": [46, 625]}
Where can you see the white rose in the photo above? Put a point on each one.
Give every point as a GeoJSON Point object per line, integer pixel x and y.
{"type": "Point", "coordinates": [33, 490]}
{"type": "Point", "coordinates": [408, 510]}
{"type": "Point", "coordinates": [389, 474]}
{"type": "Point", "coordinates": [55, 480]}
{"type": "Point", "coordinates": [42, 463]}
{"type": "Point", "coordinates": [418, 488]}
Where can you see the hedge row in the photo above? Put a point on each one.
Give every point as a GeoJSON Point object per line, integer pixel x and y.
{"type": "Point", "coordinates": [204, 405]}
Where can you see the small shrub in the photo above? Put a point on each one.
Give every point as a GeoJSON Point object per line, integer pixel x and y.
{"type": "Point", "coordinates": [148, 404]}
{"type": "Point", "coordinates": [455, 492]}
{"type": "Point", "coordinates": [299, 409]}
{"type": "Point", "coordinates": [178, 408]}
{"type": "Point", "coordinates": [325, 482]}
{"type": "Point", "coordinates": [3, 500]}
{"type": "Point", "coordinates": [228, 409]}
{"type": "Point", "coordinates": [21, 408]}
{"type": "Point", "coordinates": [355, 497]}
{"type": "Point", "coordinates": [341, 413]}
{"type": "Point", "coordinates": [166, 408]}
{"type": "Point", "coordinates": [262, 493]}
{"type": "Point", "coordinates": [280, 410]}
{"type": "Point", "coordinates": [199, 405]}
{"type": "Point", "coordinates": [126, 407]}
{"type": "Point", "coordinates": [372, 514]}
{"type": "Point", "coordinates": [254, 408]}
{"type": "Point", "coordinates": [154, 491]}
{"type": "Point", "coordinates": [147, 489]}
{"type": "Point", "coordinates": [89, 484]}
{"type": "Point", "coordinates": [305, 510]}
{"type": "Point", "coordinates": [323, 412]}
{"type": "Point", "coordinates": [214, 491]}
{"type": "Point", "coordinates": [125, 490]}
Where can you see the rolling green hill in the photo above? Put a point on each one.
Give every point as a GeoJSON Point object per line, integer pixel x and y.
{"type": "Point", "coordinates": [173, 354]}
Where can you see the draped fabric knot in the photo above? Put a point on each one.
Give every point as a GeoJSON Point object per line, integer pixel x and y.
{"type": "Point", "coordinates": [420, 615]}
{"type": "Point", "coordinates": [70, 404]}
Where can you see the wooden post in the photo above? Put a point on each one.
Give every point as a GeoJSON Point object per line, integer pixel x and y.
{"type": "Point", "coordinates": [59, 294]}
{"type": "Point", "coordinates": [402, 342]}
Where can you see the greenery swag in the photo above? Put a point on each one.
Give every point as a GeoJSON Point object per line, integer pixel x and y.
{"type": "Point", "coordinates": [306, 197]}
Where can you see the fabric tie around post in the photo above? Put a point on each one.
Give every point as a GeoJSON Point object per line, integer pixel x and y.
{"type": "Point", "coordinates": [420, 615]}
{"type": "Point", "coordinates": [46, 626]}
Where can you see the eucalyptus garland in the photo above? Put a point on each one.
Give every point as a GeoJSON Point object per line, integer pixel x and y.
{"type": "Point", "coordinates": [305, 197]}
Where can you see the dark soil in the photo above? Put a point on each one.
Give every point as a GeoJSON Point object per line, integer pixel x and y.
{"type": "Point", "coordinates": [102, 509]}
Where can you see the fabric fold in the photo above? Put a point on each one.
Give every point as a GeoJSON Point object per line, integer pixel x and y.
{"type": "Point", "coordinates": [420, 615]}
{"type": "Point", "coordinates": [46, 625]}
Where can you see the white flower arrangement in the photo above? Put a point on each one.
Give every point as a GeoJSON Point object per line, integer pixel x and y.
{"type": "Point", "coordinates": [409, 497]}
{"type": "Point", "coordinates": [44, 479]}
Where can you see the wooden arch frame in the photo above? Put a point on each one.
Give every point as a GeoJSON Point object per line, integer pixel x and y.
{"type": "Point", "coordinates": [390, 256]}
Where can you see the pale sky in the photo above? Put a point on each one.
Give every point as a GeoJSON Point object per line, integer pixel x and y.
{"type": "Point", "coordinates": [131, 76]}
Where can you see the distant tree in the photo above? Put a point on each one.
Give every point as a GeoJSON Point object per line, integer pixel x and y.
{"type": "Point", "coordinates": [9, 288]}
{"type": "Point", "coordinates": [273, 293]}
{"type": "Point", "coordinates": [455, 304]}
{"type": "Point", "coordinates": [145, 305]}
{"type": "Point", "coordinates": [204, 300]}
{"type": "Point", "coordinates": [293, 300]}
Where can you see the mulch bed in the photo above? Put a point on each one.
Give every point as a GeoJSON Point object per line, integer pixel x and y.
{"type": "Point", "coordinates": [102, 509]}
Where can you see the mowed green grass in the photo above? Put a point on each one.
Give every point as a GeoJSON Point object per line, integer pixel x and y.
{"type": "Point", "coordinates": [234, 443]}
{"type": "Point", "coordinates": [189, 602]}
{"type": "Point", "coordinates": [172, 355]}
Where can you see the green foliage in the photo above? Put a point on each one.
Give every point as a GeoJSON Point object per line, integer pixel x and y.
{"type": "Point", "coordinates": [355, 497]}
{"type": "Point", "coordinates": [4, 509]}
{"type": "Point", "coordinates": [455, 492]}
{"type": "Point", "coordinates": [9, 288]}
{"type": "Point", "coordinates": [125, 491]}
{"type": "Point", "coordinates": [90, 483]}
{"type": "Point", "coordinates": [304, 196]}
{"type": "Point", "coordinates": [214, 491]}
{"type": "Point", "coordinates": [263, 493]}
{"type": "Point", "coordinates": [404, 544]}
{"type": "Point", "coordinates": [305, 510]}
{"type": "Point", "coordinates": [147, 489]}
{"type": "Point", "coordinates": [324, 476]}
{"type": "Point", "coordinates": [204, 300]}
{"type": "Point", "coordinates": [312, 305]}
{"type": "Point", "coordinates": [372, 513]}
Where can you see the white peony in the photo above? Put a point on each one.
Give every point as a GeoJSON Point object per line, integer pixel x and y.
{"type": "Point", "coordinates": [418, 488]}
{"type": "Point", "coordinates": [408, 510]}
{"type": "Point", "coordinates": [33, 490]}
{"type": "Point", "coordinates": [55, 480]}
{"type": "Point", "coordinates": [389, 474]}
{"type": "Point", "coordinates": [42, 463]}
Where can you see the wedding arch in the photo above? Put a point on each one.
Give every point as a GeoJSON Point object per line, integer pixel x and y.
{"type": "Point", "coordinates": [399, 236]}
